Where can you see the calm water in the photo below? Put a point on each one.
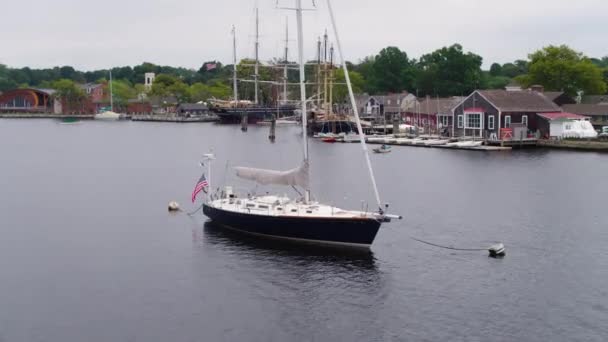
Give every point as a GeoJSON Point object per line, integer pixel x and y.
{"type": "Point", "coordinates": [88, 251]}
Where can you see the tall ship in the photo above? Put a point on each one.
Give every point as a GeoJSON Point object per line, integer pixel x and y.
{"type": "Point", "coordinates": [302, 218]}
{"type": "Point", "coordinates": [252, 111]}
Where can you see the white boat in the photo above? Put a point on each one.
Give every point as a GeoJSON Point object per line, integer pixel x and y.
{"type": "Point", "coordinates": [468, 143]}
{"type": "Point", "coordinates": [435, 142]}
{"type": "Point", "coordinates": [108, 116]}
{"type": "Point", "coordinates": [350, 138]}
{"type": "Point", "coordinates": [301, 219]}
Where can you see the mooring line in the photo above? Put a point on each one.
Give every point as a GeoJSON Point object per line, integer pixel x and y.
{"type": "Point", "coordinates": [448, 247]}
{"type": "Point", "coordinates": [194, 212]}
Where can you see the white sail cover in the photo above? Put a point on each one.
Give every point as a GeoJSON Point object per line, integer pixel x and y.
{"type": "Point", "coordinates": [295, 177]}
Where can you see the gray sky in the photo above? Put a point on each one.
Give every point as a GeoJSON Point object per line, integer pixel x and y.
{"type": "Point", "coordinates": [100, 34]}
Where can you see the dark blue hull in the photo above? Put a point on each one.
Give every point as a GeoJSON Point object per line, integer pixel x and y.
{"type": "Point", "coordinates": [349, 231]}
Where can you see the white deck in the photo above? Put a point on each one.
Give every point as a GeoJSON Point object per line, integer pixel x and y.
{"type": "Point", "coordinates": [285, 207]}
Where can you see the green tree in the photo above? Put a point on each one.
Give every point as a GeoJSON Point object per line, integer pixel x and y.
{"type": "Point", "coordinates": [340, 90]}
{"type": "Point", "coordinates": [392, 71]}
{"type": "Point", "coordinates": [496, 70]}
{"type": "Point", "coordinates": [122, 91]}
{"type": "Point", "coordinates": [449, 71]}
{"type": "Point", "coordinates": [6, 83]}
{"type": "Point", "coordinates": [245, 71]}
{"type": "Point", "coordinates": [561, 68]}
{"type": "Point", "coordinates": [70, 95]}
{"type": "Point", "coordinates": [494, 82]}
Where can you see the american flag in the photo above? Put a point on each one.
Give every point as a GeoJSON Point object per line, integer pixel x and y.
{"type": "Point", "coordinates": [211, 66]}
{"type": "Point", "coordinates": [200, 185]}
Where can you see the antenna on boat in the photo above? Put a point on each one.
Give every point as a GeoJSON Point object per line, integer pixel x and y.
{"type": "Point", "coordinates": [354, 105]}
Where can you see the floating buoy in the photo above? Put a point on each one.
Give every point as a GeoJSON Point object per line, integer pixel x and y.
{"type": "Point", "coordinates": [173, 206]}
{"type": "Point", "coordinates": [497, 250]}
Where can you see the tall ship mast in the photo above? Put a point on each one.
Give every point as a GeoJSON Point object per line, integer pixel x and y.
{"type": "Point", "coordinates": [303, 218]}
{"type": "Point", "coordinates": [252, 110]}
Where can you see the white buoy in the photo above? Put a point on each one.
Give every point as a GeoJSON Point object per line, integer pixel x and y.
{"type": "Point", "coordinates": [497, 250]}
{"type": "Point", "coordinates": [173, 206]}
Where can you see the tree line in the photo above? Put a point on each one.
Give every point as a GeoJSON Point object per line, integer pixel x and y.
{"type": "Point", "coordinates": [449, 71]}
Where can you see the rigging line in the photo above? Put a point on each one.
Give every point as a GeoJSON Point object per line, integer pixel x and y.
{"type": "Point", "coordinates": [449, 247]}
{"type": "Point", "coordinates": [194, 212]}
{"type": "Point", "coordinates": [354, 105]}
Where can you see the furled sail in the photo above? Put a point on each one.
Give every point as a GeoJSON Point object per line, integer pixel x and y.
{"type": "Point", "coordinates": [295, 177]}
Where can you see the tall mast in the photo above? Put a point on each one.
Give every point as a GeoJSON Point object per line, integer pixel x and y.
{"type": "Point", "coordinates": [257, 48]}
{"type": "Point", "coordinates": [302, 87]}
{"type": "Point", "coordinates": [234, 76]}
{"type": "Point", "coordinates": [354, 105]}
{"type": "Point", "coordinates": [331, 82]}
{"type": "Point", "coordinates": [319, 73]}
{"type": "Point", "coordinates": [325, 73]}
{"type": "Point", "coordinates": [111, 93]}
{"type": "Point", "coordinates": [285, 61]}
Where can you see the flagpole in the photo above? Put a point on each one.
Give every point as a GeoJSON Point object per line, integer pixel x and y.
{"type": "Point", "coordinates": [209, 157]}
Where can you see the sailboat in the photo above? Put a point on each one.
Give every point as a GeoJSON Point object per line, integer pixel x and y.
{"type": "Point", "coordinates": [109, 115]}
{"type": "Point", "coordinates": [300, 219]}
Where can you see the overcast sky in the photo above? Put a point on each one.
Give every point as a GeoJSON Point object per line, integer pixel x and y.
{"type": "Point", "coordinates": [100, 34]}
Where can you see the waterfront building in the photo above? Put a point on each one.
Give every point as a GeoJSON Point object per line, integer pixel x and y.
{"type": "Point", "coordinates": [496, 115]}
{"type": "Point", "coordinates": [29, 100]}
{"type": "Point", "coordinates": [435, 114]}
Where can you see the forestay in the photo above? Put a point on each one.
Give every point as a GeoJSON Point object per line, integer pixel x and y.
{"type": "Point", "coordinates": [294, 177]}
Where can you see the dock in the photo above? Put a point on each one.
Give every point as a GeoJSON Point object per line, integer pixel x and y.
{"type": "Point", "coordinates": [429, 142]}
{"type": "Point", "coordinates": [45, 116]}
{"type": "Point", "coordinates": [403, 142]}
{"type": "Point", "coordinates": [173, 118]}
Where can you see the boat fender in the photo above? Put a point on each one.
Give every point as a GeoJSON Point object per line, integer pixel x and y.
{"type": "Point", "coordinates": [173, 206]}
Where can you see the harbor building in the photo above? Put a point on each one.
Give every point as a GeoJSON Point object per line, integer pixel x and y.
{"type": "Point", "coordinates": [501, 116]}
{"type": "Point", "coordinates": [29, 100]}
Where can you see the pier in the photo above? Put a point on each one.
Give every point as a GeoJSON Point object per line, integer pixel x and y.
{"type": "Point", "coordinates": [172, 118]}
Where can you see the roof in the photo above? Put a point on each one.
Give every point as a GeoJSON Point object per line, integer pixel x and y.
{"type": "Point", "coordinates": [438, 106]}
{"type": "Point", "coordinates": [519, 101]}
{"type": "Point", "coordinates": [553, 95]}
{"type": "Point", "coordinates": [595, 99]}
{"type": "Point", "coordinates": [45, 90]}
{"type": "Point", "coordinates": [391, 102]}
{"type": "Point", "coordinates": [587, 109]}
{"type": "Point", "coordinates": [192, 106]}
{"type": "Point", "coordinates": [90, 85]}
{"type": "Point", "coordinates": [562, 116]}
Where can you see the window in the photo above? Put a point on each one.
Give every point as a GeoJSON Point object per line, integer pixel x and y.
{"type": "Point", "coordinates": [524, 120]}
{"type": "Point", "coordinates": [444, 120]}
{"type": "Point", "coordinates": [491, 122]}
{"type": "Point", "coordinates": [508, 121]}
{"type": "Point", "coordinates": [460, 121]}
{"type": "Point", "coordinates": [568, 127]}
{"type": "Point", "coordinates": [473, 120]}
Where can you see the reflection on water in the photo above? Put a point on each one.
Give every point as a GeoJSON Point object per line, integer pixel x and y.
{"type": "Point", "coordinates": [285, 250]}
